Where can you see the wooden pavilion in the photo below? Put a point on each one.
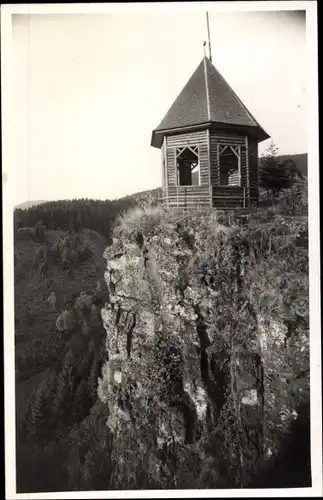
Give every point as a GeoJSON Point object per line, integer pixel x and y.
{"type": "Point", "coordinates": [208, 130]}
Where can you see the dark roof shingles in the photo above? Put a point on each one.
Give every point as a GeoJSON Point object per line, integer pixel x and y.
{"type": "Point", "coordinates": [225, 105]}
{"type": "Point", "coordinates": [190, 107]}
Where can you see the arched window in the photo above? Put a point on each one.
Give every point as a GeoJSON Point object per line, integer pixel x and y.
{"type": "Point", "coordinates": [229, 158]}
{"type": "Point", "coordinates": [188, 167]}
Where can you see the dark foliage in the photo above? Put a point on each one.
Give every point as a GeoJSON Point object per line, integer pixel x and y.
{"type": "Point", "coordinates": [58, 254]}
{"type": "Point", "coordinates": [73, 215]}
{"type": "Point", "coordinates": [276, 174]}
{"type": "Point", "coordinates": [292, 468]}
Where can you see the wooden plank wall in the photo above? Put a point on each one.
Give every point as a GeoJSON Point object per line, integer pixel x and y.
{"type": "Point", "coordinates": [227, 191]}
{"type": "Point", "coordinates": [234, 178]}
{"type": "Point", "coordinates": [253, 171]}
{"type": "Point", "coordinates": [227, 196]}
{"type": "Point", "coordinates": [163, 162]}
{"type": "Point", "coordinates": [188, 139]}
{"type": "Point", "coordinates": [189, 196]}
{"type": "Point", "coordinates": [215, 161]}
{"type": "Point", "coordinates": [244, 180]}
{"type": "Point", "coordinates": [229, 139]}
{"type": "Point", "coordinates": [204, 164]}
{"type": "Point", "coordinates": [199, 139]}
{"type": "Point", "coordinates": [171, 167]}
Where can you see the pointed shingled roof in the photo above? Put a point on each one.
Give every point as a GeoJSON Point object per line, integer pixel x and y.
{"type": "Point", "coordinates": [207, 98]}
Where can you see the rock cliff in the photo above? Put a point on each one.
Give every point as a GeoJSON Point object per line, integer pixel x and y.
{"type": "Point", "coordinates": [207, 345]}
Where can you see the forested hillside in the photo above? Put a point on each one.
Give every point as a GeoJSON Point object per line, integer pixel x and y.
{"type": "Point", "coordinates": [300, 161]}
{"type": "Point", "coordinates": [29, 204]}
{"type": "Point", "coordinates": [97, 215]}
{"type": "Point", "coordinates": [59, 292]}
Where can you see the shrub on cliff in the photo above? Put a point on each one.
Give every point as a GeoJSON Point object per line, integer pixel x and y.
{"type": "Point", "coordinates": [139, 219]}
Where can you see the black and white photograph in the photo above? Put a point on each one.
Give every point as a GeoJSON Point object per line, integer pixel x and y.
{"type": "Point", "coordinates": [161, 250]}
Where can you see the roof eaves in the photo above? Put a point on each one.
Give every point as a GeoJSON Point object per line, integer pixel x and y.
{"type": "Point", "coordinates": [174, 130]}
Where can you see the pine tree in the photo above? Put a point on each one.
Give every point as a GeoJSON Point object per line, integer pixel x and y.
{"type": "Point", "coordinates": [276, 175]}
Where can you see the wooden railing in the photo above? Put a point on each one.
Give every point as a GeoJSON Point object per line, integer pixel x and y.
{"type": "Point", "coordinates": [188, 196]}
{"type": "Point", "coordinates": [220, 197]}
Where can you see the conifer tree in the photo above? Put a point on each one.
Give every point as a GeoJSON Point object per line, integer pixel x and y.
{"type": "Point", "coordinates": [276, 175]}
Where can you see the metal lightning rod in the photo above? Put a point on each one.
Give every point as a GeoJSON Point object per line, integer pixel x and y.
{"type": "Point", "coordinates": [208, 34]}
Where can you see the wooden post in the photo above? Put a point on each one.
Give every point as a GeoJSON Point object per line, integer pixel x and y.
{"type": "Point", "coordinates": [176, 168]}
{"type": "Point", "coordinates": [247, 168]}
{"type": "Point", "coordinates": [166, 167]}
{"type": "Point", "coordinates": [218, 164]}
{"type": "Point", "coordinates": [239, 165]}
{"type": "Point", "coordinates": [210, 166]}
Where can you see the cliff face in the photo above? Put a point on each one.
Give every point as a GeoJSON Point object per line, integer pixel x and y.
{"type": "Point", "coordinates": [207, 343]}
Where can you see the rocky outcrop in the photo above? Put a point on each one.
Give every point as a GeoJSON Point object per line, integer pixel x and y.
{"type": "Point", "coordinates": [207, 345]}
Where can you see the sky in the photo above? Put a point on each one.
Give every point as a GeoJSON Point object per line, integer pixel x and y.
{"type": "Point", "coordinates": [88, 89]}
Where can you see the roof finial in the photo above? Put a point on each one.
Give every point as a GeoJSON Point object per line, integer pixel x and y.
{"type": "Point", "coordinates": [204, 44]}
{"type": "Point", "coordinates": [208, 34]}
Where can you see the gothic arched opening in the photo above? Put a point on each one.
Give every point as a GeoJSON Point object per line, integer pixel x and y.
{"type": "Point", "coordinates": [229, 158]}
{"type": "Point", "coordinates": [188, 168]}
